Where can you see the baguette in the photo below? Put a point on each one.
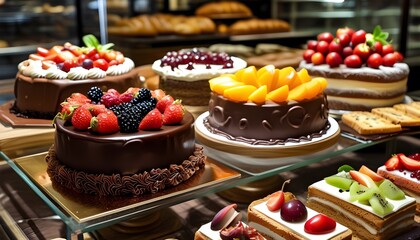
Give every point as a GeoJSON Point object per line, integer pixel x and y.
{"type": "Point", "coordinates": [397, 116]}
{"type": "Point", "coordinates": [367, 123]}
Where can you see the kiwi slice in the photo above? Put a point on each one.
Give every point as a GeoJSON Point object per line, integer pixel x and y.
{"type": "Point", "coordinates": [356, 189]}
{"type": "Point", "coordinates": [367, 194]}
{"type": "Point", "coordinates": [380, 205]}
{"type": "Point", "coordinates": [390, 190]}
{"type": "Point", "coordinates": [339, 182]}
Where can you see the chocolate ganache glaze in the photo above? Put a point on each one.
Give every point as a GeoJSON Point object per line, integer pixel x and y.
{"type": "Point", "coordinates": [124, 153]}
{"type": "Point", "coordinates": [268, 124]}
{"type": "Point", "coordinates": [41, 97]}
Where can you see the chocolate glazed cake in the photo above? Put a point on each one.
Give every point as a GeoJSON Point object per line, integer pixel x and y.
{"type": "Point", "coordinates": [268, 124]}
{"type": "Point", "coordinates": [124, 164]}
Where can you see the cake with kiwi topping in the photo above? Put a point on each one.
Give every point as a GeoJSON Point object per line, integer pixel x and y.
{"type": "Point", "coordinates": [131, 143]}
{"type": "Point", "coordinates": [371, 206]}
{"type": "Point", "coordinates": [49, 76]}
{"type": "Point", "coordinates": [362, 68]}
{"type": "Point", "coordinates": [404, 171]}
{"type": "Point", "coordinates": [268, 106]}
{"type": "Point", "coordinates": [184, 74]}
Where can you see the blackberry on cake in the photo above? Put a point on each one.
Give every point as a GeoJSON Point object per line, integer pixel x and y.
{"type": "Point", "coordinates": [152, 155]}
{"type": "Point", "coordinates": [49, 76]}
{"type": "Point", "coordinates": [362, 68]}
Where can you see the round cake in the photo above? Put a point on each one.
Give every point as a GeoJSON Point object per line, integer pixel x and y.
{"type": "Point", "coordinates": [184, 74]}
{"type": "Point", "coordinates": [268, 107]}
{"type": "Point", "coordinates": [50, 75]}
{"type": "Point", "coordinates": [108, 157]}
{"type": "Point", "coordinates": [362, 69]}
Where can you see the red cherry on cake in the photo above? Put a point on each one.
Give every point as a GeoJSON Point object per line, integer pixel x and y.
{"type": "Point", "coordinates": [101, 63]}
{"type": "Point", "coordinates": [307, 54]}
{"type": "Point", "coordinates": [317, 58]}
{"type": "Point", "coordinates": [344, 39]}
{"type": "Point", "coordinates": [344, 30]}
{"type": "Point", "coordinates": [362, 50]}
{"type": "Point", "coordinates": [358, 37]}
{"type": "Point", "coordinates": [377, 47]}
{"type": "Point", "coordinates": [325, 36]}
{"type": "Point", "coordinates": [374, 60]}
{"type": "Point", "coordinates": [312, 44]}
{"type": "Point", "coordinates": [334, 59]}
{"type": "Point", "coordinates": [335, 46]}
{"type": "Point", "coordinates": [320, 224]}
{"type": "Point", "coordinates": [347, 51]}
{"type": "Point", "coordinates": [293, 211]}
{"type": "Point", "coordinates": [353, 61]}
{"type": "Point", "coordinates": [399, 56]}
{"type": "Point", "coordinates": [388, 48]}
{"type": "Point", "coordinates": [323, 47]}
{"type": "Point", "coordinates": [389, 60]}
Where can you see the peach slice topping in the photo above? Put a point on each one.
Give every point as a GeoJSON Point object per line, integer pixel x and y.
{"type": "Point", "coordinates": [268, 83]}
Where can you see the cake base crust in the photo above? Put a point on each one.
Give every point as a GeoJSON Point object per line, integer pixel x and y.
{"type": "Point", "coordinates": [137, 184]}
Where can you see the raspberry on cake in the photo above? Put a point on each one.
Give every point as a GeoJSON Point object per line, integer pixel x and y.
{"type": "Point", "coordinates": [49, 76]}
{"type": "Point", "coordinates": [362, 69]}
{"type": "Point", "coordinates": [267, 106]}
{"type": "Point", "coordinates": [111, 143]}
{"type": "Point", "coordinates": [290, 219]}
{"type": "Point", "coordinates": [371, 206]}
{"type": "Point", "coordinates": [404, 171]}
{"type": "Point", "coordinates": [184, 74]}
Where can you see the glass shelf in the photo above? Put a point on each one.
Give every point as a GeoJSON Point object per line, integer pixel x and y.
{"type": "Point", "coordinates": [32, 169]}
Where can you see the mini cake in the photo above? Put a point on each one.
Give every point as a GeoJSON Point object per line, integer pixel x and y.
{"type": "Point", "coordinates": [362, 69]}
{"type": "Point", "coordinates": [185, 74]}
{"type": "Point", "coordinates": [282, 216]}
{"type": "Point", "coordinates": [404, 171]}
{"type": "Point", "coordinates": [50, 75]}
{"type": "Point", "coordinates": [371, 206]}
{"type": "Point", "coordinates": [129, 144]}
{"type": "Point", "coordinates": [267, 107]}
{"type": "Point", "coordinates": [227, 225]}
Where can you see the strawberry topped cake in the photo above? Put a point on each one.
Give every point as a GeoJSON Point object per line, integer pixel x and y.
{"type": "Point", "coordinates": [404, 171]}
{"type": "Point", "coordinates": [362, 68]}
{"type": "Point", "coordinates": [49, 76]}
{"type": "Point", "coordinates": [370, 205]}
{"type": "Point", "coordinates": [129, 143]}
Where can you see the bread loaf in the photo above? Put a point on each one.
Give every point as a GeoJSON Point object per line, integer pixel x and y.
{"type": "Point", "coordinates": [214, 9]}
{"type": "Point", "coordinates": [256, 26]}
{"type": "Point", "coordinates": [367, 123]}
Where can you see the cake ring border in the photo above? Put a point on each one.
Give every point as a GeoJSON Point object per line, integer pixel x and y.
{"type": "Point", "coordinates": [33, 168]}
{"type": "Point", "coordinates": [208, 139]}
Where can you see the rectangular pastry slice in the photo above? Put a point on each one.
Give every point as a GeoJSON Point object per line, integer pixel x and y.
{"type": "Point", "coordinates": [367, 123]}
{"type": "Point", "coordinates": [411, 109]}
{"type": "Point", "coordinates": [272, 226]}
{"type": "Point", "coordinates": [397, 116]}
{"type": "Point", "coordinates": [362, 216]}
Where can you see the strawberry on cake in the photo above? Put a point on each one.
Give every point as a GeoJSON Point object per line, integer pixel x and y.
{"type": "Point", "coordinates": [404, 171]}
{"type": "Point", "coordinates": [49, 76]}
{"type": "Point", "coordinates": [371, 206]}
{"type": "Point", "coordinates": [362, 68]}
{"type": "Point", "coordinates": [111, 143]}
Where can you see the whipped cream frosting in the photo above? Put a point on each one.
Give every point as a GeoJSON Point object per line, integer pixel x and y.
{"type": "Point", "coordinates": [199, 72]}
{"type": "Point", "coordinates": [345, 196]}
{"type": "Point", "coordinates": [297, 227]}
{"type": "Point", "coordinates": [33, 68]}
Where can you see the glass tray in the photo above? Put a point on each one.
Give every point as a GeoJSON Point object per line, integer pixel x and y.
{"type": "Point", "coordinates": [85, 213]}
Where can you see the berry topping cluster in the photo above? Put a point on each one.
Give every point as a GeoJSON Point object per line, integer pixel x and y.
{"type": "Point", "coordinates": [70, 56]}
{"type": "Point", "coordinates": [110, 112]}
{"type": "Point", "coordinates": [401, 162]}
{"type": "Point", "coordinates": [354, 49]}
{"type": "Point", "coordinates": [196, 56]}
